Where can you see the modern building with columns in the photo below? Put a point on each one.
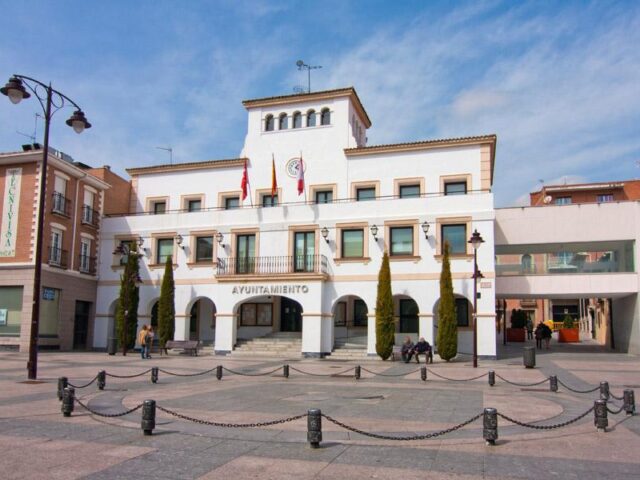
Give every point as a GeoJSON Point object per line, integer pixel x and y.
{"type": "Point", "coordinates": [308, 263]}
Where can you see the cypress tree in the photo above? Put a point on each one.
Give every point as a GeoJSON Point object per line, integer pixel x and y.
{"type": "Point", "coordinates": [166, 305]}
{"type": "Point", "coordinates": [127, 308]}
{"type": "Point", "coordinates": [385, 327]}
{"type": "Point", "coordinates": [447, 321]}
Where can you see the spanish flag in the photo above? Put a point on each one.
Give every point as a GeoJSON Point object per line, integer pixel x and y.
{"type": "Point", "coordinates": [274, 181]}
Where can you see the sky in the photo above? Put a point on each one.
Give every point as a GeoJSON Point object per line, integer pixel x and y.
{"type": "Point", "coordinates": [557, 81]}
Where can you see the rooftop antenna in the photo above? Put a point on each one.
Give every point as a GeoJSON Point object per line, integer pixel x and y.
{"type": "Point", "coordinates": [170, 150]}
{"type": "Point", "coordinates": [302, 66]}
{"type": "Point", "coordinates": [35, 130]}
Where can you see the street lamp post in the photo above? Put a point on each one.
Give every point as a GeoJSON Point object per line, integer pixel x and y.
{"type": "Point", "coordinates": [475, 241]}
{"type": "Point", "coordinates": [51, 101]}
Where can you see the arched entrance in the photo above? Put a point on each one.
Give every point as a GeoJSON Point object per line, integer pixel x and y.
{"type": "Point", "coordinates": [350, 319]}
{"type": "Point", "coordinates": [464, 316]}
{"type": "Point", "coordinates": [406, 316]}
{"type": "Point", "coordinates": [202, 320]}
{"type": "Point", "coordinates": [264, 315]}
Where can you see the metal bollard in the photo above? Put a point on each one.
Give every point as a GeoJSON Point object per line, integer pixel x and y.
{"type": "Point", "coordinates": [154, 374]}
{"type": "Point", "coordinates": [314, 427]}
{"type": "Point", "coordinates": [63, 382]}
{"type": "Point", "coordinates": [102, 379]}
{"type": "Point", "coordinates": [423, 373]}
{"type": "Point", "coordinates": [553, 383]}
{"type": "Point", "coordinates": [68, 400]}
{"type": "Point", "coordinates": [604, 391]}
{"type": "Point", "coordinates": [148, 422]}
{"type": "Point", "coordinates": [600, 415]}
{"type": "Point", "coordinates": [529, 357]}
{"type": "Point", "coordinates": [629, 404]}
{"type": "Point", "coordinates": [357, 372]}
{"type": "Point", "coordinates": [285, 371]}
{"type": "Point", "coordinates": [219, 372]}
{"type": "Point", "coordinates": [490, 426]}
{"type": "Point", "coordinates": [492, 378]}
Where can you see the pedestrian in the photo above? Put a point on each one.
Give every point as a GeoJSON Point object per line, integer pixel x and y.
{"type": "Point", "coordinates": [538, 335]}
{"type": "Point", "coordinates": [149, 340]}
{"type": "Point", "coordinates": [142, 340]}
{"type": "Point", "coordinates": [546, 335]}
{"type": "Point", "coordinates": [529, 329]}
{"type": "Point", "coordinates": [407, 350]}
{"type": "Point", "coordinates": [423, 348]}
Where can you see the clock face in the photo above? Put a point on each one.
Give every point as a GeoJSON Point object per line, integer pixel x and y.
{"type": "Point", "coordinates": [293, 164]}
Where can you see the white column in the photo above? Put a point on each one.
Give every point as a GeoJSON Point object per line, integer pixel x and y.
{"type": "Point", "coordinates": [312, 335]}
{"type": "Point", "coordinates": [371, 335]}
{"type": "Point", "coordinates": [225, 332]}
{"type": "Point", "coordinates": [425, 328]}
{"type": "Point", "coordinates": [181, 331]}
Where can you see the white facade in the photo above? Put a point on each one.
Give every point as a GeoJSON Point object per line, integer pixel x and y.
{"type": "Point", "coordinates": [335, 161]}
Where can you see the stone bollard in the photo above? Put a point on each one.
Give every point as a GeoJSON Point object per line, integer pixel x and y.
{"type": "Point", "coordinates": [154, 374]}
{"type": "Point", "coordinates": [357, 372]}
{"type": "Point", "coordinates": [600, 415]}
{"type": "Point", "coordinates": [68, 401]}
{"type": "Point", "coordinates": [492, 378]}
{"type": "Point", "coordinates": [423, 373]}
{"type": "Point", "coordinates": [102, 379]}
{"type": "Point", "coordinates": [63, 382]}
{"type": "Point", "coordinates": [219, 372]}
{"type": "Point", "coordinates": [148, 422]}
{"type": "Point", "coordinates": [314, 427]}
{"type": "Point", "coordinates": [285, 371]}
{"type": "Point", "coordinates": [604, 391]}
{"type": "Point", "coordinates": [529, 357]}
{"type": "Point", "coordinates": [490, 426]}
{"type": "Point", "coordinates": [629, 404]}
{"type": "Point", "coordinates": [553, 383]}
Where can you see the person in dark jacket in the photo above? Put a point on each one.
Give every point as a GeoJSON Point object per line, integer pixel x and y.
{"type": "Point", "coordinates": [407, 350]}
{"type": "Point", "coordinates": [423, 348]}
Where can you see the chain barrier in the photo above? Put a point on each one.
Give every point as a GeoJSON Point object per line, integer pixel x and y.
{"type": "Point", "coordinates": [83, 386]}
{"type": "Point", "coordinates": [127, 376]}
{"type": "Point", "coordinates": [591, 390]}
{"type": "Point", "coordinates": [457, 379]}
{"type": "Point", "coordinates": [248, 374]}
{"type": "Point", "coordinates": [523, 384]}
{"type": "Point", "coordinates": [405, 438]}
{"type": "Point", "coordinates": [321, 374]}
{"type": "Point", "coordinates": [184, 374]}
{"type": "Point", "coordinates": [229, 425]}
{"type": "Point", "coordinates": [546, 427]}
{"type": "Point", "coordinates": [108, 415]}
{"type": "Point", "coordinates": [615, 397]}
{"type": "Point", "coordinates": [615, 412]}
{"type": "Point", "coordinates": [379, 374]}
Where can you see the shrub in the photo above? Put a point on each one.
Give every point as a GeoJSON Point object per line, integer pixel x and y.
{"type": "Point", "coordinates": [447, 340]}
{"type": "Point", "coordinates": [385, 327]}
{"type": "Point", "coordinates": [127, 308]}
{"type": "Point", "coordinates": [166, 305]}
{"type": "Point", "coordinates": [567, 321]}
{"type": "Point", "coordinates": [518, 318]}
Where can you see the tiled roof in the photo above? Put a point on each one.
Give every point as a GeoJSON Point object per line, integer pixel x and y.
{"type": "Point", "coordinates": [422, 143]}
{"type": "Point", "coordinates": [168, 167]}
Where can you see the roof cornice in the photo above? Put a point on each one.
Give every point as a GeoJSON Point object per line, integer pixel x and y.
{"type": "Point", "coordinates": [179, 167]}
{"type": "Point", "coordinates": [425, 145]}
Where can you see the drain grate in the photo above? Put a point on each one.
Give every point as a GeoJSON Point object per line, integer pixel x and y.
{"type": "Point", "coordinates": [33, 382]}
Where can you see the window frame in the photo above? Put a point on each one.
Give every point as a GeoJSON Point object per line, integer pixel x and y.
{"type": "Point", "coordinates": [351, 230]}
{"type": "Point", "coordinates": [604, 198]}
{"type": "Point", "coordinates": [443, 221]}
{"type": "Point", "coordinates": [403, 227]}
{"type": "Point", "coordinates": [449, 184]}
{"type": "Point", "coordinates": [325, 187]}
{"type": "Point", "coordinates": [444, 239]}
{"type": "Point", "coordinates": [283, 121]}
{"type": "Point", "coordinates": [151, 203]}
{"type": "Point", "coordinates": [457, 178]}
{"type": "Point", "coordinates": [156, 257]}
{"type": "Point", "coordinates": [325, 113]}
{"type": "Point", "coordinates": [465, 301]}
{"type": "Point", "coordinates": [269, 123]}
{"type": "Point", "coordinates": [296, 117]}
{"type": "Point", "coordinates": [564, 200]}
{"type": "Point", "coordinates": [399, 183]}
{"type": "Point", "coordinates": [197, 237]}
{"type": "Point", "coordinates": [222, 198]}
{"type": "Point", "coordinates": [311, 113]}
{"type": "Point", "coordinates": [356, 186]}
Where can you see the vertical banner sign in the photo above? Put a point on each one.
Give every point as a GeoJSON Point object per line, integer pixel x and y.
{"type": "Point", "coordinates": [10, 208]}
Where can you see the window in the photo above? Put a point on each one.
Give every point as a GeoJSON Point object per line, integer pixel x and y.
{"type": "Point", "coordinates": [359, 313]}
{"type": "Point", "coordinates": [85, 255]}
{"type": "Point", "coordinates": [204, 249]}
{"type": "Point", "coordinates": [408, 316]}
{"type": "Point", "coordinates": [352, 243]}
{"type": "Point", "coordinates": [304, 251]}
{"type": "Point", "coordinates": [311, 118]}
{"type": "Point", "coordinates": [270, 200]}
{"type": "Point", "coordinates": [159, 207]}
{"type": "Point", "coordinates": [60, 202]}
{"type": "Point", "coordinates": [325, 117]}
{"type": "Point", "coordinates": [363, 194]}
{"type": "Point", "coordinates": [401, 241]}
{"type": "Point", "coordinates": [462, 312]}
{"type": "Point", "coordinates": [245, 253]}
{"type": "Point", "coordinates": [164, 250]}
{"type": "Point", "coordinates": [194, 205]}
{"type": "Point", "coordinates": [231, 202]}
{"type": "Point", "coordinates": [525, 262]}
{"type": "Point", "coordinates": [340, 315]}
{"type": "Point", "coordinates": [456, 235]}
{"type": "Point", "coordinates": [324, 196]}
{"type": "Point", "coordinates": [409, 191]}
{"type": "Point", "coordinates": [256, 314]}
{"type": "Point", "coordinates": [608, 197]}
{"type": "Point", "coordinates": [283, 121]}
{"type": "Point", "coordinates": [297, 120]}
{"type": "Point", "coordinates": [269, 123]}
{"type": "Point", "coordinates": [126, 246]}
{"type": "Point", "coordinates": [455, 188]}
{"type": "Point", "coordinates": [563, 201]}
{"type": "Point", "coordinates": [55, 253]}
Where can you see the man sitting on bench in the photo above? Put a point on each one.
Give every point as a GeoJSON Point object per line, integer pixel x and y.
{"type": "Point", "coordinates": [423, 348]}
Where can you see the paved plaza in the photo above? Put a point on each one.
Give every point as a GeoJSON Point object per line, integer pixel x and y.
{"type": "Point", "coordinates": [38, 442]}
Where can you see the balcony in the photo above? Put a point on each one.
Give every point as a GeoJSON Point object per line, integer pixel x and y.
{"type": "Point", "coordinates": [60, 204]}
{"type": "Point", "coordinates": [89, 216]}
{"type": "Point", "coordinates": [87, 264]}
{"type": "Point", "coordinates": [58, 257]}
{"type": "Point", "coordinates": [295, 266]}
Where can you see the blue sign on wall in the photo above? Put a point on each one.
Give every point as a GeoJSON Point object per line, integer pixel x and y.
{"type": "Point", "coordinates": [48, 293]}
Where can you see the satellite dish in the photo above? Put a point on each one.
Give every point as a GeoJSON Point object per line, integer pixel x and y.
{"type": "Point", "coordinates": [547, 199]}
{"type": "Point", "coordinates": [299, 63]}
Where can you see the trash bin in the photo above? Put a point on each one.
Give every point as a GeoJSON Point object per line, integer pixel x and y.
{"type": "Point", "coordinates": [529, 357]}
{"type": "Point", "coordinates": [112, 345]}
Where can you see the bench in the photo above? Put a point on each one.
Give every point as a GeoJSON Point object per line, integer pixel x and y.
{"type": "Point", "coordinates": [186, 345]}
{"type": "Point", "coordinates": [396, 354]}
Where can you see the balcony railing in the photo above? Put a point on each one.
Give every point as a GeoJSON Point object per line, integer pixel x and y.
{"type": "Point", "coordinates": [89, 216]}
{"type": "Point", "coordinates": [60, 204]}
{"type": "Point", "coordinates": [272, 265]}
{"type": "Point", "coordinates": [87, 264]}
{"type": "Point", "coordinates": [57, 257]}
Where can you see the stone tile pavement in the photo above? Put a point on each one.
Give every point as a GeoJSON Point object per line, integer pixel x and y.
{"type": "Point", "coordinates": [37, 442]}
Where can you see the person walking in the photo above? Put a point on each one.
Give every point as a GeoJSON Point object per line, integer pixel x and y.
{"type": "Point", "coordinates": [546, 335]}
{"type": "Point", "coordinates": [142, 340]}
{"type": "Point", "coordinates": [529, 329]}
{"type": "Point", "coordinates": [149, 340]}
